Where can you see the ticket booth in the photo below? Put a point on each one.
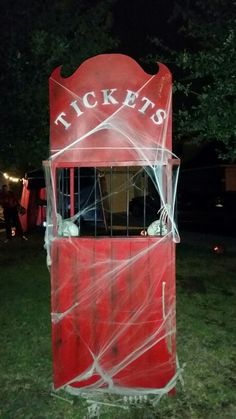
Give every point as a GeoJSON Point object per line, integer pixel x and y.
{"type": "Point", "coordinates": [111, 232]}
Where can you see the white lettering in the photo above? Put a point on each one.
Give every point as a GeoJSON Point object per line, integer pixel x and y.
{"type": "Point", "coordinates": [130, 99]}
{"type": "Point", "coordinates": [62, 120]}
{"type": "Point", "coordinates": [85, 100]}
{"type": "Point", "coordinates": [146, 105]}
{"type": "Point", "coordinates": [76, 108]}
{"type": "Point", "coordinates": [160, 117]}
{"type": "Point", "coordinates": [108, 98]}
{"type": "Point", "coordinates": [90, 100]}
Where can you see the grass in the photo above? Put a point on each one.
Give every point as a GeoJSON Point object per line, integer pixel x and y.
{"type": "Point", "coordinates": [206, 314]}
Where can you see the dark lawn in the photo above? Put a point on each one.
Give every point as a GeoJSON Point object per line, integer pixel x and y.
{"type": "Point", "coordinates": [206, 324]}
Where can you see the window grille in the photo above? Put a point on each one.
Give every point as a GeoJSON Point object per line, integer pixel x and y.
{"type": "Point", "coordinates": [108, 201]}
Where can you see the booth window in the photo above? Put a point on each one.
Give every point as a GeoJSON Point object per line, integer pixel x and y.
{"type": "Point", "coordinates": [109, 201]}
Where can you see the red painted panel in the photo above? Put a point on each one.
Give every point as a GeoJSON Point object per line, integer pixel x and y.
{"type": "Point", "coordinates": [93, 109]}
{"type": "Point", "coordinates": [24, 202]}
{"type": "Point", "coordinates": [107, 309]}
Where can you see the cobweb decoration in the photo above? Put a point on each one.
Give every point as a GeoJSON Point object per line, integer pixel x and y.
{"type": "Point", "coordinates": [110, 240]}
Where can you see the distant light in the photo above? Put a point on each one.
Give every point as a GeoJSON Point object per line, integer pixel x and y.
{"type": "Point", "coordinates": [218, 249]}
{"type": "Point", "coordinates": [11, 178]}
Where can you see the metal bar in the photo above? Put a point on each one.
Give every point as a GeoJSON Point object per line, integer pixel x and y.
{"type": "Point", "coordinates": [63, 193]}
{"type": "Point", "coordinates": [53, 184]}
{"type": "Point", "coordinates": [58, 200]}
{"type": "Point", "coordinates": [95, 201]}
{"type": "Point", "coordinates": [111, 218]}
{"type": "Point", "coordinates": [144, 199]}
{"type": "Point", "coordinates": [67, 193]}
{"type": "Point", "coordinates": [61, 200]}
{"type": "Point", "coordinates": [100, 176]}
{"type": "Point", "coordinates": [79, 199]}
{"type": "Point", "coordinates": [72, 192]}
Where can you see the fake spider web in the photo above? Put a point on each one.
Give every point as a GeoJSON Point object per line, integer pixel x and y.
{"type": "Point", "coordinates": [112, 266]}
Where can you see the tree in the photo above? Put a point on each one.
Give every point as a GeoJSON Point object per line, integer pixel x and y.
{"type": "Point", "coordinates": [205, 86]}
{"type": "Point", "coordinates": [196, 39]}
{"type": "Point", "coordinates": [39, 36]}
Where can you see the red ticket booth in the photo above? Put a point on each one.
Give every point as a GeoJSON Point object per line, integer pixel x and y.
{"type": "Point", "coordinates": [111, 232]}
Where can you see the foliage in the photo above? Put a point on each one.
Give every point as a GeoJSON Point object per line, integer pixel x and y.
{"type": "Point", "coordinates": [205, 81]}
{"type": "Point", "coordinates": [38, 37]}
{"type": "Point", "coordinates": [195, 39]}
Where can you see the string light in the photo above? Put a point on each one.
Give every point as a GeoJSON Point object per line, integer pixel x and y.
{"type": "Point", "coordinates": [11, 178]}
